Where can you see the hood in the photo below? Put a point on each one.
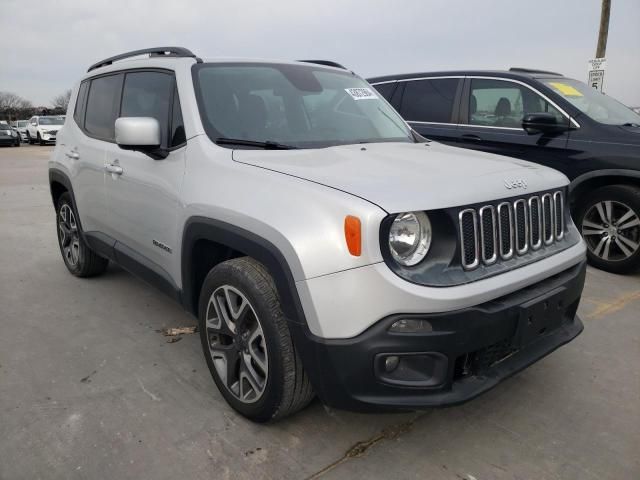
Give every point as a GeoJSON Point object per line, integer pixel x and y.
{"type": "Point", "coordinates": [402, 177]}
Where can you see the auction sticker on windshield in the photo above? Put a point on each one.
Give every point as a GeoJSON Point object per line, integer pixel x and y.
{"type": "Point", "coordinates": [361, 93]}
{"type": "Point", "coordinates": [565, 89]}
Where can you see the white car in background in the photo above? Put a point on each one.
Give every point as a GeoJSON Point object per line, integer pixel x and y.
{"type": "Point", "coordinates": [21, 128]}
{"type": "Point", "coordinates": [43, 129]}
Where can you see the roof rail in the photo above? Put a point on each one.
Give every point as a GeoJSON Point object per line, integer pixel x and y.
{"type": "Point", "coordinates": [531, 70]}
{"type": "Point", "coordinates": [152, 52]}
{"type": "Point", "coordinates": [326, 63]}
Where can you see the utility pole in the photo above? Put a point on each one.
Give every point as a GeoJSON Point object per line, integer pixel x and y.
{"type": "Point", "coordinates": [604, 29]}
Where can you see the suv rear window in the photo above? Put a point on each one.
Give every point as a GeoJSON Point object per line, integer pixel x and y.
{"type": "Point", "coordinates": [102, 106]}
{"type": "Point", "coordinates": [429, 100]}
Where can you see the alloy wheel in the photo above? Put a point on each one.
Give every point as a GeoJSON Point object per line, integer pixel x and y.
{"type": "Point", "coordinates": [236, 344]}
{"type": "Point", "coordinates": [611, 230]}
{"type": "Point", "coordinates": [69, 235]}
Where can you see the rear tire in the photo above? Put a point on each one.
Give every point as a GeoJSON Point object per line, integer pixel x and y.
{"type": "Point", "coordinates": [79, 259]}
{"type": "Point", "coordinates": [247, 344]}
{"type": "Point", "coordinates": [609, 220]}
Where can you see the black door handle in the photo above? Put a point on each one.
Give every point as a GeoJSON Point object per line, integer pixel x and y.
{"type": "Point", "coordinates": [471, 137]}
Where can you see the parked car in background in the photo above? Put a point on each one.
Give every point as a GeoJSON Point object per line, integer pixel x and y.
{"type": "Point", "coordinates": [549, 119]}
{"type": "Point", "coordinates": [8, 135]}
{"type": "Point", "coordinates": [44, 129]}
{"type": "Point", "coordinates": [21, 128]}
{"type": "Point", "coordinates": [324, 246]}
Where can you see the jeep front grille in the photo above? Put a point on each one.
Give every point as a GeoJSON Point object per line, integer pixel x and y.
{"type": "Point", "coordinates": [498, 232]}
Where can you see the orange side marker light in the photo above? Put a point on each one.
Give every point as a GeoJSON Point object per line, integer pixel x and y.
{"type": "Point", "coordinates": [353, 235]}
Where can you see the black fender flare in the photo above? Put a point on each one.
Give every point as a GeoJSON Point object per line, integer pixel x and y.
{"type": "Point", "coordinates": [612, 172]}
{"type": "Point", "coordinates": [203, 228]}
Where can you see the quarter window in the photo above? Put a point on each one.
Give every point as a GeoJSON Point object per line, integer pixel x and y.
{"type": "Point", "coordinates": [178, 136]}
{"type": "Point", "coordinates": [497, 103]}
{"type": "Point", "coordinates": [78, 113]}
{"type": "Point", "coordinates": [102, 106]}
{"type": "Point", "coordinates": [429, 100]}
{"type": "Point", "coordinates": [148, 94]}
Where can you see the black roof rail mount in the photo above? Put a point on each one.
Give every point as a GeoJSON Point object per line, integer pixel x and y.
{"type": "Point", "coordinates": [326, 63]}
{"type": "Point", "coordinates": [532, 70]}
{"type": "Point", "coordinates": [152, 52]}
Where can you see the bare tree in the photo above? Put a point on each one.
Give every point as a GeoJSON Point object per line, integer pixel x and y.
{"type": "Point", "coordinates": [9, 101]}
{"type": "Point", "coordinates": [61, 102]}
{"type": "Point", "coordinates": [12, 105]}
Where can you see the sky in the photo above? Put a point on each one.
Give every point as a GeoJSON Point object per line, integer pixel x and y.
{"type": "Point", "coordinates": [48, 46]}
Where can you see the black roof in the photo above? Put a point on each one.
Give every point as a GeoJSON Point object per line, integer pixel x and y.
{"type": "Point", "coordinates": [514, 73]}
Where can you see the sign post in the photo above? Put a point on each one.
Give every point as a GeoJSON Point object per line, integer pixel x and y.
{"type": "Point", "coordinates": [596, 72]}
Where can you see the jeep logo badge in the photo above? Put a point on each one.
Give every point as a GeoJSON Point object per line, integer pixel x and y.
{"type": "Point", "coordinates": [515, 183]}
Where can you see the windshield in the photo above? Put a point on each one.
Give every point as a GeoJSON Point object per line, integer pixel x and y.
{"type": "Point", "coordinates": [592, 103]}
{"type": "Point", "coordinates": [301, 106]}
{"type": "Point", "coordinates": [51, 120]}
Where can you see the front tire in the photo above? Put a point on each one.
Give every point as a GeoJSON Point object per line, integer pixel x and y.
{"type": "Point", "coordinates": [609, 220]}
{"type": "Point", "coordinates": [247, 344]}
{"type": "Point", "coordinates": [41, 141]}
{"type": "Point", "coordinates": [79, 259]}
{"type": "Point", "coordinates": [29, 139]}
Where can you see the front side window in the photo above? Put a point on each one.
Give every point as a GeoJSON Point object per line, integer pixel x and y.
{"type": "Point", "coordinates": [303, 106]}
{"type": "Point", "coordinates": [148, 94]}
{"type": "Point", "coordinates": [595, 105]}
{"type": "Point", "coordinates": [386, 89]}
{"type": "Point", "coordinates": [429, 100]}
{"type": "Point", "coordinates": [102, 106]}
{"type": "Point", "coordinates": [498, 103]}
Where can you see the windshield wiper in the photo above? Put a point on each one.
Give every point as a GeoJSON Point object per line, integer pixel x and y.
{"type": "Point", "coordinates": [630, 124]}
{"type": "Point", "coordinates": [268, 145]}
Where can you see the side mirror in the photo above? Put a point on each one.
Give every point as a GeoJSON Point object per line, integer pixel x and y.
{"type": "Point", "coordinates": [140, 133]}
{"type": "Point", "coordinates": [541, 122]}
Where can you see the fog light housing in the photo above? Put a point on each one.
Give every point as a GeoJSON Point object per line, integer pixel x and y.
{"type": "Point", "coordinates": [411, 325]}
{"type": "Point", "coordinates": [411, 369]}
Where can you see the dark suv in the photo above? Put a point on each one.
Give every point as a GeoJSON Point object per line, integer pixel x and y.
{"type": "Point", "coordinates": [545, 118]}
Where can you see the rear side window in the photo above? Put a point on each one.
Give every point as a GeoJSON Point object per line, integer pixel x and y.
{"type": "Point", "coordinates": [78, 112]}
{"type": "Point", "coordinates": [429, 100]}
{"type": "Point", "coordinates": [148, 94]}
{"type": "Point", "coordinates": [102, 106]}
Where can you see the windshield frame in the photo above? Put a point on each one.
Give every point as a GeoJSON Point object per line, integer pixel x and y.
{"type": "Point", "coordinates": [579, 111]}
{"type": "Point", "coordinates": [213, 134]}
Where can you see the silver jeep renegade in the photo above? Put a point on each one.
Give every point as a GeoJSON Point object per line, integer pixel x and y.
{"type": "Point", "coordinates": [325, 248]}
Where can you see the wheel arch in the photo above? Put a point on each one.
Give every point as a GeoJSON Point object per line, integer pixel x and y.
{"type": "Point", "coordinates": [207, 242]}
{"type": "Point", "coordinates": [601, 178]}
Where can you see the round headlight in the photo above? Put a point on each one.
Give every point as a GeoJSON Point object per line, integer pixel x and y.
{"type": "Point", "coordinates": [410, 238]}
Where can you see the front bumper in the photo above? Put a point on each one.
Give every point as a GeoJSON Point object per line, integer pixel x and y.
{"type": "Point", "coordinates": [467, 352]}
{"type": "Point", "coordinates": [9, 140]}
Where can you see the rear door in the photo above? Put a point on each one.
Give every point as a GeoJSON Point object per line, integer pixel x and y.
{"type": "Point", "coordinates": [430, 106]}
{"type": "Point", "coordinates": [491, 120]}
{"type": "Point", "coordinates": [144, 198]}
{"type": "Point", "coordinates": [85, 145]}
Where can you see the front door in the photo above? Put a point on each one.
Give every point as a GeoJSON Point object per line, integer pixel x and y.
{"type": "Point", "coordinates": [144, 193]}
{"type": "Point", "coordinates": [491, 120]}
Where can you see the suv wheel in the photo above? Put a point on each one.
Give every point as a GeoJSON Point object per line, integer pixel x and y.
{"type": "Point", "coordinates": [609, 220]}
{"type": "Point", "coordinates": [29, 139]}
{"type": "Point", "coordinates": [80, 260]}
{"type": "Point", "coordinates": [247, 344]}
{"type": "Point", "coordinates": [42, 142]}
